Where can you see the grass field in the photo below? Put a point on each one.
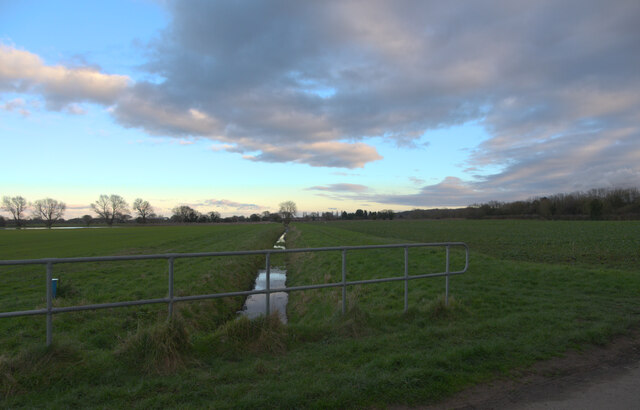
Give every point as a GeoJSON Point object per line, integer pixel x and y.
{"type": "Point", "coordinates": [533, 291]}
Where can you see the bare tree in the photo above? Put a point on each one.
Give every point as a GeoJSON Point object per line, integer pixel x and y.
{"type": "Point", "coordinates": [214, 216]}
{"type": "Point", "coordinates": [287, 211]}
{"type": "Point", "coordinates": [143, 208]}
{"type": "Point", "coordinates": [184, 213]}
{"type": "Point", "coordinates": [17, 206]}
{"type": "Point", "coordinates": [50, 210]}
{"type": "Point", "coordinates": [87, 219]}
{"type": "Point", "coordinates": [110, 207]}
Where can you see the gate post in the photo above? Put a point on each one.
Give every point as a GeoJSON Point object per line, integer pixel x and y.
{"type": "Point", "coordinates": [268, 285]}
{"type": "Point", "coordinates": [406, 279]}
{"type": "Point", "coordinates": [170, 288]}
{"type": "Point", "coordinates": [344, 281]}
{"type": "Point", "coordinates": [49, 304]}
{"type": "Point", "coordinates": [446, 285]}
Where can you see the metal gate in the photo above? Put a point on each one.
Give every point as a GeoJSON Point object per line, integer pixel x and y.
{"type": "Point", "coordinates": [49, 311]}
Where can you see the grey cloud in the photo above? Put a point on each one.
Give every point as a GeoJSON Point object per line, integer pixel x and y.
{"type": "Point", "coordinates": [325, 154]}
{"type": "Point", "coordinates": [340, 188]}
{"type": "Point", "coordinates": [555, 83]}
{"type": "Point", "coordinates": [149, 108]}
{"type": "Point", "coordinates": [451, 191]}
{"type": "Point", "coordinates": [528, 71]}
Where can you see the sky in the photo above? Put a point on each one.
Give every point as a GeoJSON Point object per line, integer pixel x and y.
{"type": "Point", "coordinates": [237, 106]}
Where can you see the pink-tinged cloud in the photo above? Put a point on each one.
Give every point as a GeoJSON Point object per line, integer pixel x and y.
{"type": "Point", "coordinates": [22, 71]}
{"type": "Point", "coordinates": [78, 207]}
{"type": "Point", "coordinates": [17, 104]}
{"type": "Point", "coordinates": [225, 203]}
{"type": "Point", "coordinates": [319, 154]}
{"type": "Point", "coordinates": [340, 188]}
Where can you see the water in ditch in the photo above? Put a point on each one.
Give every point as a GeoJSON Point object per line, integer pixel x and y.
{"type": "Point", "coordinates": [255, 305]}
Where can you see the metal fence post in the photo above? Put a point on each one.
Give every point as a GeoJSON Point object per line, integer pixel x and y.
{"type": "Point", "coordinates": [406, 279]}
{"type": "Point", "coordinates": [344, 281]}
{"type": "Point", "coordinates": [268, 285]}
{"type": "Point", "coordinates": [49, 304]}
{"type": "Point", "coordinates": [446, 285]}
{"type": "Point", "coordinates": [170, 288]}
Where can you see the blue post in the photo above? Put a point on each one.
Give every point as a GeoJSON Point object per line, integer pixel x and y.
{"type": "Point", "coordinates": [54, 287]}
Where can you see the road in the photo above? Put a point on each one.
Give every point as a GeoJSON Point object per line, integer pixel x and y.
{"type": "Point", "coordinates": [619, 389]}
{"type": "Point", "coordinates": [606, 377]}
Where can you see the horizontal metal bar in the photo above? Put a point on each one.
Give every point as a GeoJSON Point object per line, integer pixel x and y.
{"type": "Point", "coordinates": [399, 279]}
{"type": "Point", "coordinates": [228, 253]}
{"type": "Point", "coordinates": [109, 305]}
{"type": "Point", "coordinates": [24, 313]}
{"type": "Point", "coordinates": [84, 307]}
{"type": "Point", "coordinates": [228, 294]}
{"type": "Point", "coordinates": [305, 287]}
{"type": "Point", "coordinates": [219, 295]}
{"type": "Point", "coordinates": [364, 281]}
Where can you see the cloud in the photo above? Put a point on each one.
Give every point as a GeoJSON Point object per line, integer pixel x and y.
{"type": "Point", "coordinates": [340, 188]}
{"type": "Point", "coordinates": [75, 109]}
{"type": "Point", "coordinates": [344, 192]}
{"type": "Point", "coordinates": [221, 147]}
{"type": "Point", "coordinates": [16, 104]}
{"type": "Point", "coordinates": [77, 207]}
{"type": "Point", "coordinates": [528, 73]}
{"type": "Point", "coordinates": [319, 154]}
{"type": "Point", "coordinates": [145, 107]}
{"type": "Point", "coordinates": [25, 72]}
{"type": "Point", "coordinates": [451, 191]}
{"type": "Point", "coordinates": [225, 203]}
{"type": "Point", "coordinates": [554, 83]}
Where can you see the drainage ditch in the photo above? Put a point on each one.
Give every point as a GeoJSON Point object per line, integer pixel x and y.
{"type": "Point", "coordinates": [255, 305]}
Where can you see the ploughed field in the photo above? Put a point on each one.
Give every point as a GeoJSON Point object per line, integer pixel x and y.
{"type": "Point", "coordinates": [534, 290]}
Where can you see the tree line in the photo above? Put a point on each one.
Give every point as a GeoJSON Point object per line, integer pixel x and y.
{"type": "Point", "coordinates": [110, 209]}
{"type": "Point", "coordinates": [48, 211]}
{"type": "Point", "coordinates": [186, 214]}
{"type": "Point", "coordinates": [359, 214]}
{"type": "Point", "coordinates": [601, 203]}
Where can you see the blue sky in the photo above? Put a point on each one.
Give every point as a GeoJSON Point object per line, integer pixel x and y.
{"type": "Point", "coordinates": [238, 106]}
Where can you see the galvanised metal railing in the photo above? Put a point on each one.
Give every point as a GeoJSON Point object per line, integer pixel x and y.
{"type": "Point", "coordinates": [49, 311]}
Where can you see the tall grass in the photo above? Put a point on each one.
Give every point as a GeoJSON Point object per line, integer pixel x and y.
{"type": "Point", "coordinates": [160, 348]}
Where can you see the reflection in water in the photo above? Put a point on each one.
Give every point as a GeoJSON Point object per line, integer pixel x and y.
{"type": "Point", "coordinates": [280, 242]}
{"type": "Point", "coordinates": [255, 305]}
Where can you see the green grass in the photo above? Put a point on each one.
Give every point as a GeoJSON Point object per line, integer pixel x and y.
{"type": "Point", "coordinates": [525, 298]}
{"type": "Point", "coordinates": [23, 287]}
{"type": "Point", "coordinates": [608, 244]}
